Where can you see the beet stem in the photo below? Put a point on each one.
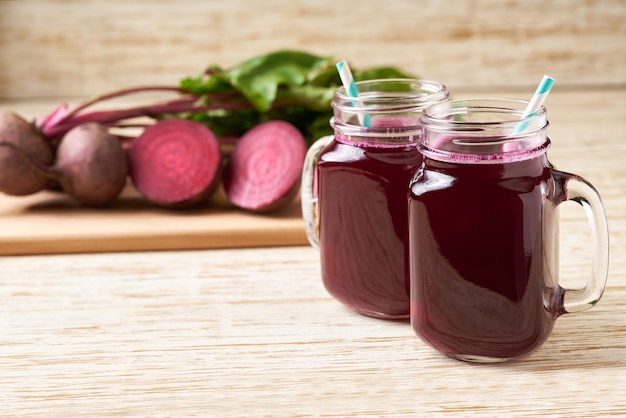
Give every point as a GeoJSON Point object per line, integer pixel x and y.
{"type": "Point", "coordinates": [116, 94]}
{"type": "Point", "coordinates": [60, 120]}
{"type": "Point", "coordinates": [108, 116]}
{"type": "Point", "coordinates": [53, 117]}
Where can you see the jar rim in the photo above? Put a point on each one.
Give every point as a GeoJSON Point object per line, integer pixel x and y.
{"type": "Point", "coordinates": [382, 95]}
{"type": "Point", "coordinates": [483, 130]}
{"type": "Point", "coordinates": [445, 115]}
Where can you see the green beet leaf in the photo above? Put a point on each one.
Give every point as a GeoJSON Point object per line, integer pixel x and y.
{"type": "Point", "coordinates": [295, 86]}
{"type": "Point", "coordinates": [259, 78]}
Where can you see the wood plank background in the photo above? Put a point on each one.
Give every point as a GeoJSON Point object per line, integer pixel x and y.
{"type": "Point", "coordinates": [83, 47]}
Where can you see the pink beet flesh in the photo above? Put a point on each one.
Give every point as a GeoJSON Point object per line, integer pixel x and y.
{"type": "Point", "coordinates": [264, 170]}
{"type": "Point", "coordinates": [175, 162]}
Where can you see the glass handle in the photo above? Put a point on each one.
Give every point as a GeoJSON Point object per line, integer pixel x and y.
{"type": "Point", "coordinates": [577, 189]}
{"type": "Point", "coordinates": [308, 193]}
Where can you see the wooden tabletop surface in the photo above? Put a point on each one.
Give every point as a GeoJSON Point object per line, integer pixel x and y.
{"type": "Point", "coordinates": [252, 332]}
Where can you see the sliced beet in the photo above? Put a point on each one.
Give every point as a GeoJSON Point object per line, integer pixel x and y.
{"type": "Point", "coordinates": [263, 171]}
{"type": "Point", "coordinates": [175, 162]}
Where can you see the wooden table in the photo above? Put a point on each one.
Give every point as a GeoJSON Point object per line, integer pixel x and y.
{"type": "Point", "coordinates": [252, 332]}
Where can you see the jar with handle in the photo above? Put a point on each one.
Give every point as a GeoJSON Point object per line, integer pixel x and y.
{"type": "Point", "coordinates": [354, 192]}
{"type": "Point", "coordinates": [484, 232]}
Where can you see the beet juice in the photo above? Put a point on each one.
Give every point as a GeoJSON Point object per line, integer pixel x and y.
{"type": "Point", "coordinates": [483, 232]}
{"type": "Point", "coordinates": [483, 258]}
{"type": "Point", "coordinates": [354, 191]}
{"type": "Point", "coordinates": [363, 225]}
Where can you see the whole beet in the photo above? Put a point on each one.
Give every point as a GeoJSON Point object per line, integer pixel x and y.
{"type": "Point", "coordinates": [23, 153]}
{"type": "Point", "coordinates": [91, 165]}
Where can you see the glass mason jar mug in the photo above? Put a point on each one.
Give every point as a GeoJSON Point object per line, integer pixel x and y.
{"type": "Point", "coordinates": [484, 232]}
{"type": "Point", "coordinates": [354, 191]}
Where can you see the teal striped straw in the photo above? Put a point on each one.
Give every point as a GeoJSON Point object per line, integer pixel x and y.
{"type": "Point", "coordinates": [540, 96]}
{"type": "Point", "coordinates": [350, 85]}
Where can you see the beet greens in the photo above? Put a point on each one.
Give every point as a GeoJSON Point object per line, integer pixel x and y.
{"type": "Point", "coordinates": [207, 115]}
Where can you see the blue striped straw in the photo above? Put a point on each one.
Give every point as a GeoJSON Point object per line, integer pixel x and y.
{"type": "Point", "coordinates": [540, 96]}
{"type": "Point", "coordinates": [349, 84]}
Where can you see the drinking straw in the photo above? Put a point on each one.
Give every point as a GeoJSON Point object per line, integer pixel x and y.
{"type": "Point", "coordinates": [536, 101]}
{"type": "Point", "coordinates": [349, 84]}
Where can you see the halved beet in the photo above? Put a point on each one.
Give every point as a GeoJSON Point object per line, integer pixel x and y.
{"type": "Point", "coordinates": [263, 171]}
{"type": "Point", "coordinates": [175, 163]}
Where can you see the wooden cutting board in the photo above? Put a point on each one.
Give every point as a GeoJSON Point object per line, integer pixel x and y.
{"type": "Point", "coordinates": [52, 223]}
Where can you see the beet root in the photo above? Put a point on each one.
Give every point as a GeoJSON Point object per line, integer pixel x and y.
{"type": "Point", "coordinates": [91, 165]}
{"type": "Point", "coordinates": [175, 163]}
{"type": "Point", "coordinates": [263, 171]}
{"type": "Point", "coordinates": [24, 150]}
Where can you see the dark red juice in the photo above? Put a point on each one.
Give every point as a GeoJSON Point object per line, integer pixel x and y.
{"type": "Point", "coordinates": [363, 225]}
{"type": "Point", "coordinates": [483, 257]}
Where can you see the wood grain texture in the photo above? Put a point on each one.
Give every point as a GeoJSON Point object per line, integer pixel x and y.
{"type": "Point", "coordinates": [250, 333]}
{"type": "Point", "coordinates": [52, 223]}
{"type": "Point", "coordinates": [71, 47]}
